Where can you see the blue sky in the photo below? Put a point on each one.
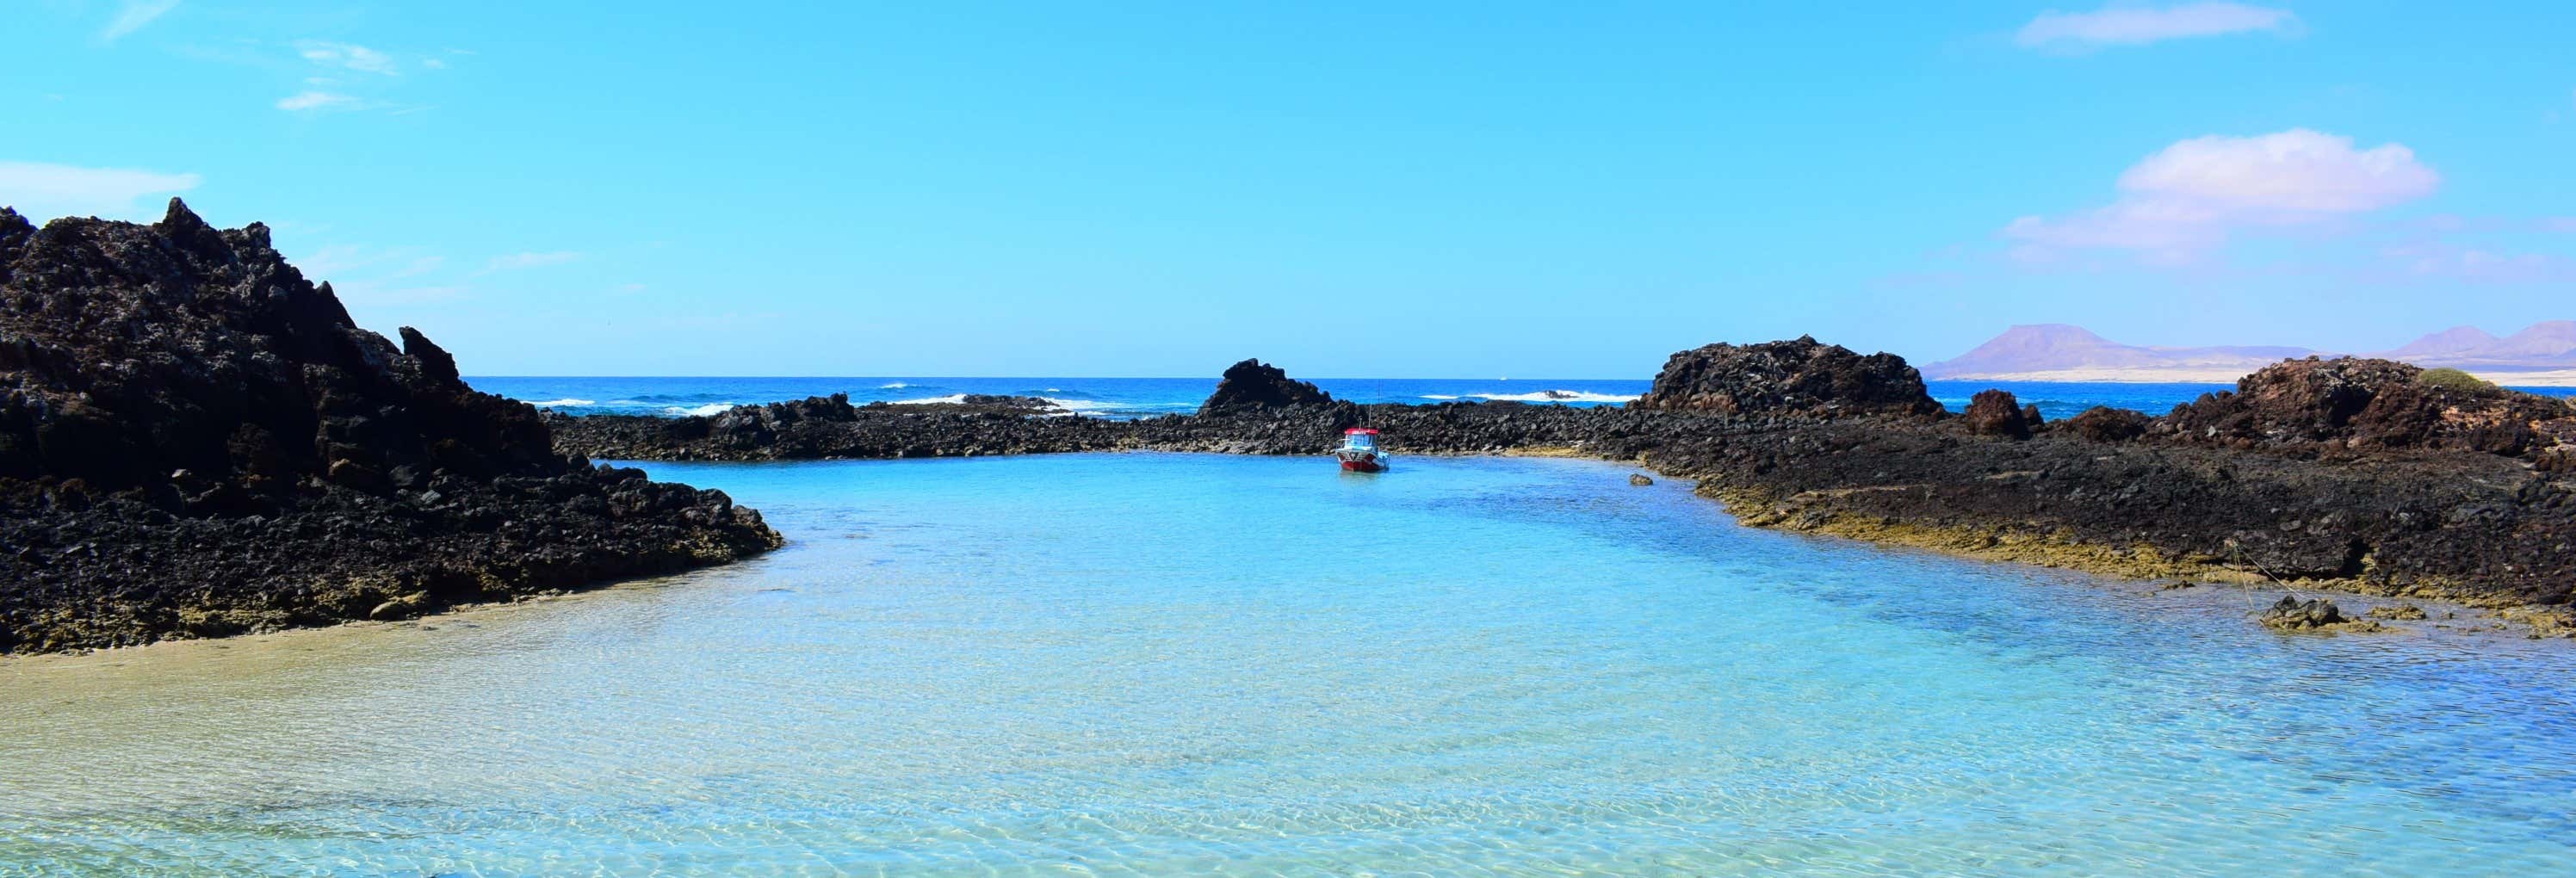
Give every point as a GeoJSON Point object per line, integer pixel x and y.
{"type": "Point", "coordinates": [1354, 189]}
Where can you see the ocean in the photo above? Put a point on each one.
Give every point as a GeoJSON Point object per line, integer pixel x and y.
{"type": "Point", "coordinates": [1178, 664]}
{"type": "Point", "coordinates": [1150, 397]}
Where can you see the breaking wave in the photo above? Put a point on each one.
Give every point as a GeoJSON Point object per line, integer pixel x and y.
{"type": "Point", "coordinates": [1544, 396]}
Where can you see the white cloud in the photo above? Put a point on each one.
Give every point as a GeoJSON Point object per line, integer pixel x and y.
{"type": "Point", "coordinates": [516, 261]}
{"type": "Point", "coordinates": [2118, 25]}
{"type": "Point", "coordinates": [2292, 171]}
{"type": "Point", "coordinates": [2190, 196]}
{"type": "Point", "coordinates": [42, 191]}
{"type": "Point", "coordinates": [348, 56]}
{"type": "Point", "coordinates": [434, 64]}
{"type": "Point", "coordinates": [134, 15]}
{"type": "Point", "coordinates": [316, 100]}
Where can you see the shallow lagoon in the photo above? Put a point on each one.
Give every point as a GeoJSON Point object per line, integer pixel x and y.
{"type": "Point", "coordinates": [1180, 664]}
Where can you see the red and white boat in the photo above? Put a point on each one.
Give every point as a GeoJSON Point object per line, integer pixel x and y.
{"type": "Point", "coordinates": [1359, 452]}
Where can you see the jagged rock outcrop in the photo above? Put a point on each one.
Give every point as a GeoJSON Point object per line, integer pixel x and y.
{"type": "Point", "coordinates": [1252, 384]}
{"type": "Point", "coordinates": [1798, 377]}
{"type": "Point", "coordinates": [754, 424]}
{"type": "Point", "coordinates": [1996, 413]}
{"type": "Point", "coordinates": [2103, 423]}
{"type": "Point", "coordinates": [2334, 406]}
{"type": "Point", "coordinates": [194, 440]}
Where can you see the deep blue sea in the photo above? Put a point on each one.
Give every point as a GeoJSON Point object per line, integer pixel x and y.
{"type": "Point", "coordinates": [1149, 397]}
{"type": "Point", "coordinates": [1174, 664]}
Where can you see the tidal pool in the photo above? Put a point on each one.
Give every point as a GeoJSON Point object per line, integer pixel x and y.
{"type": "Point", "coordinates": [1193, 664]}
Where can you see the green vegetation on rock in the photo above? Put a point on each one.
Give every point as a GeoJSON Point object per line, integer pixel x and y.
{"type": "Point", "coordinates": [2453, 379]}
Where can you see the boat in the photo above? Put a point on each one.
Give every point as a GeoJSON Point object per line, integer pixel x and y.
{"type": "Point", "coordinates": [1359, 452]}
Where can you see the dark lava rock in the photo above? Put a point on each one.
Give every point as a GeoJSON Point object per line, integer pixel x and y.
{"type": "Point", "coordinates": [1799, 377]}
{"type": "Point", "coordinates": [2103, 423]}
{"type": "Point", "coordinates": [1996, 413]}
{"type": "Point", "coordinates": [2292, 614]}
{"type": "Point", "coordinates": [1033, 403]}
{"type": "Point", "coordinates": [1252, 384]}
{"type": "Point", "coordinates": [2318, 405]}
{"type": "Point", "coordinates": [196, 441]}
{"type": "Point", "coordinates": [756, 424]}
{"type": "Point", "coordinates": [1640, 479]}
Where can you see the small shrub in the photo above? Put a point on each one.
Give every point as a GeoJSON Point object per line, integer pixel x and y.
{"type": "Point", "coordinates": [2453, 379]}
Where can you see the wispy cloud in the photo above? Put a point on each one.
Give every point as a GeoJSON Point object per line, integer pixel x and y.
{"type": "Point", "coordinates": [2119, 25]}
{"type": "Point", "coordinates": [371, 277]}
{"type": "Point", "coordinates": [348, 56]}
{"type": "Point", "coordinates": [133, 15]}
{"type": "Point", "coordinates": [2476, 265]}
{"type": "Point", "coordinates": [516, 261]}
{"type": "Point", "coordinates": [342, 76]}
{"type": "Point", "coordinates": [46, 190]}
{"type": "Point", "coordinates": [2191, 196]}
{"type": "Point", "coordinates": [310, 101]}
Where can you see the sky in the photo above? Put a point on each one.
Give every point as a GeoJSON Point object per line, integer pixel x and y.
{"type": "Point", "coordinates": [1347, 189]}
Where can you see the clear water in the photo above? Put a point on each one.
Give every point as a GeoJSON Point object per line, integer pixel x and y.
{"type": "Point", "coordinates": [1148, 397]}
{"type": "Point", "coordinates": [1184, 664]}
{"type": "Point", "coordinates": [1096, 397]}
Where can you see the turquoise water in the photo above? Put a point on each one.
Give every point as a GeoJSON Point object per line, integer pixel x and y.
{"type": "Point", "coordinates": [1095, 397]}
{"type": "Point", "coordinates": [1149, 397]}
{"type": "Point", "coordinates": [1185, 664]}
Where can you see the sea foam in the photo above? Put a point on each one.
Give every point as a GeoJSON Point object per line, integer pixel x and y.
{"type": "Point", "coordinates": [1544, 396]}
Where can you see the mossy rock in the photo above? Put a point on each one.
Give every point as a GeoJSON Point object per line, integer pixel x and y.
{"type": "Point", "coordinates": [2453, 379]}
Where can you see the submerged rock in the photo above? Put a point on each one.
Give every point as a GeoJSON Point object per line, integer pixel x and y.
{"type": "Point", "coordinates": [2313, 614]}
{"type": "Point", "coordinates": [2396, 611]}
{"type": "Point", "coordinates": [195, 440]}
{"type": "Point", "coordinates": [2294, 614]}
{"type": "Point", "coordinates": [1640, 479]}
{"type": "Point", "coordinates": [1797, 377]}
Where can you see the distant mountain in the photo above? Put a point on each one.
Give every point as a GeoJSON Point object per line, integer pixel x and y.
{"type": "Point", "coordinates": [2057, 351]}
{"type": "Point", "coordinates": [2549, 344]}
{"type": "Point", "coordinates": [2445, 343]}
{"type": "Point", "coordinates": [2542, 353]}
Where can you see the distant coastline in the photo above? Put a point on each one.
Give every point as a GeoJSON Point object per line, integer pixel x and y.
{"type": "Point", "coordinates": [2540, 355]}
{"type": "Point", "coordinates": [2223, 375]}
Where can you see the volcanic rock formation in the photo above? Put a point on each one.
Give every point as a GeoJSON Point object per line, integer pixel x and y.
{"type": "Point", "coordinates": [1252, 384]}
{"type": "Point", "coordinates": [1996, 413]}
{"type": "Point", "coordinates": [194, 440]}
{"type": "Point", "coordinates": [2335, 406]}
{"type": "Point", "coordinates": [1799, 377]}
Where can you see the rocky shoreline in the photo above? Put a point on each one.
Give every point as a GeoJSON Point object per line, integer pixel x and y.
{"type": "Point", "coordinates": [196, 441]}
{"type": "Point", "coordinates": [2364, 476]}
